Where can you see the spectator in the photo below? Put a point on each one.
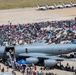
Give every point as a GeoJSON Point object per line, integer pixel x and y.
{"type": "Point", "coordinates": [75, 71]}
{"type": "Point", "coordinates": [2, 69]}
{"type": "Point", "coordinates": [7, 68]}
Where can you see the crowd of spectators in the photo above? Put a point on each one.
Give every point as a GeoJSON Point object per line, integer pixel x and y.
{"type": "Point", "coordinates": [29, 70]}
{"type": "Point", "coordinates": [32, 69]}
{"type": "Point", "coordinates": [28, 33]}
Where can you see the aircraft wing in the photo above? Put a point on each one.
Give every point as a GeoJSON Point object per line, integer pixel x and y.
{"type": "Point", "coordinates": [42, 55]}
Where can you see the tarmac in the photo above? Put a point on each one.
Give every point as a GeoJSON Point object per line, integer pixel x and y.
{"type": "Point", "coordinates": [31, 15]}
{"type": "Point", "coordinates": [59, 72]}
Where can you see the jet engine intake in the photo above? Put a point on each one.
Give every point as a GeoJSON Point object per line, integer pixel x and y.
{"type": "Point", "coordinates": [50, 63]}
{"type": "Point", "coordinates": [32, 60]}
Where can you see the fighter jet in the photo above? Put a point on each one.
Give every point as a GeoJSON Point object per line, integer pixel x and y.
{"type": "Point", "coordinates": [40, 8]}
{"type": "Point", "coordinates": [73, 4]}
{"type": "Point", "coordinates": [58, 6]}
{"type": "Point", "coordinates": [49, 7]}
{"type": "Point", "coordinates": [66, 5]}
{"type": "Point", "coordinates": [34, 52]}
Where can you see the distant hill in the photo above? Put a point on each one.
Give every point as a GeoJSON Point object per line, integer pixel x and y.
{"type": "Point", "coordinates": [11, 4]}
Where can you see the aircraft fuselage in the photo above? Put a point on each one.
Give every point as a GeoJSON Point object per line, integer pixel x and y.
{"type": "Point", "coordinates": [54, 49]}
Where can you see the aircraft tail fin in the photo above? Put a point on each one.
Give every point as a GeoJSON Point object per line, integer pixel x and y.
{"type": "Point", "coordinates": [71, 3]}
{"type": "Point", "coordinates": [63, 4]}
{"type": "Point", "coordinates": [55, 5]}
{"type": "Point", "coordinates": [38, 5]}
{"type": "Point", "coordinates": [47, 6]}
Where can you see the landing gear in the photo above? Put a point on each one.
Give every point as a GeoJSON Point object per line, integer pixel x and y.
{"type": "Point", "coordinates": [41, 62]}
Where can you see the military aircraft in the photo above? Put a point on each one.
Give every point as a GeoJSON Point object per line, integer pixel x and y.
{"type": "Point", "coordinates": [49, 7]}
{"type": "Point", "coordinates": [35, 52]}
{"type": "Point", "coordinates": [40, 8]}
{"type": "Point", "coordinates": [66, 5]}
{"type": "Point", "coordinates": [58, 6]}
{"type": "Point", "coordinates": [73, 4]}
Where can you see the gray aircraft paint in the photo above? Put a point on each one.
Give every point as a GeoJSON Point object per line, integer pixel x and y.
{"type": "Point", "coordinates": [54, 49]}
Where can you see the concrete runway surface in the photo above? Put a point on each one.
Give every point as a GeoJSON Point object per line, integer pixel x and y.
{"type": "Point", "coordinates": [30, 15]}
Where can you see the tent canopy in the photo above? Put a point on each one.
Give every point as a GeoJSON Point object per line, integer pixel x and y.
{"type": "Point", "coordinates": [22, 61]}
